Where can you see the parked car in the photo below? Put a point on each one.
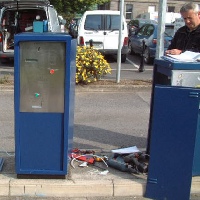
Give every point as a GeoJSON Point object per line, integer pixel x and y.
{"type": "Point", "coordinates": [101, 28]}
{"type": "Point", "coordinates": [73, 27]}
{"type": "Point", "coordinates": [135, 24]}
{"type": "Point", "coordinates": [18, 16]}
{"type": "Point", "coordinates": [148, 34]}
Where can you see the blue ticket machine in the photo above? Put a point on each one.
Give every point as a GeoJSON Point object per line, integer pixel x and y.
{"type": "Point", "coordinates": [44, 102]}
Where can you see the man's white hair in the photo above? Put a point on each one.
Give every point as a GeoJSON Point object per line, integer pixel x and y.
{"type": "Point", "coordinates": [190, 6]}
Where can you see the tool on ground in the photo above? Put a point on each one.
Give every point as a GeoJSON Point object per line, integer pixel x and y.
{"type": "Point", "coordinates": [133, 163]}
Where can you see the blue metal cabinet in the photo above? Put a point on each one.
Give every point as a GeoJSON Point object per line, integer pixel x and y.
{"type": "Point", "coordinates": [175, 120]}
{"type": "Point", "coordinates": [44, 102]}
{"type": "Point", "coordinates": [163, 75]}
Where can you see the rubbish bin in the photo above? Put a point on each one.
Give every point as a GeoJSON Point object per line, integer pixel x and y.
{"type": "Point", "coordinates": [173, 136]}
{"type": "Point", "coordinates": [44, 102]}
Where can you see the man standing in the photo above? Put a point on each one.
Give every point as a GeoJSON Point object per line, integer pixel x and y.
{"type": "Point", "coordinates": [187, 38]}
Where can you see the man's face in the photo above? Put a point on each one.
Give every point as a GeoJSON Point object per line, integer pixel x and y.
{"type": "Point", "coordinates": [192, 19]}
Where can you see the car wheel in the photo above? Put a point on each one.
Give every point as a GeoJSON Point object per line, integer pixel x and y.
{"type": "Point", "coordinates": [147, 58]}
{"type": "Point", "coordinates": [123, 58]}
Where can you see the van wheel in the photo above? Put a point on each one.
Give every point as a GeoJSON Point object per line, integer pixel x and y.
{"type": "Point", "coordinates": [123, 58]}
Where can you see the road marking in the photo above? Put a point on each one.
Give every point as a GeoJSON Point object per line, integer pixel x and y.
{"type": "Point", "coordinates": [136, 66]}
{"type": "Point", "coordinates": [132, 63]}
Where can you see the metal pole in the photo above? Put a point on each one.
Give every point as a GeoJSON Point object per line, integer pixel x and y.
{"type": "Point", "coordinates": [161, 28]}
{"type": "Point", "coordinates": [120, 41]}
{"type": "Point", "coordinates": [141, 68]}
{"type": "Point", "coordinates": [159, 53]}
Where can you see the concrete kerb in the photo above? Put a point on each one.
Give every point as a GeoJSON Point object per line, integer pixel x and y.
{"type": "Point", "coordinates": [78, 188]}
{"type": "Point", "coordinates": [70, 188]}
{"type": "Point", "coordinates": [5, 87]}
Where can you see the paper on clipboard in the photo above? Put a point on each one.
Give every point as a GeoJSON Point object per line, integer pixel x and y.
{"type": "Point", "coordinates": [187, 56]}
{"type": "Point", "coordinates": [133, 149]}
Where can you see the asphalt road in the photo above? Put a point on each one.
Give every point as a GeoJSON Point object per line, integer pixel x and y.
{"type": "Point", "coordinates": [109, 120]}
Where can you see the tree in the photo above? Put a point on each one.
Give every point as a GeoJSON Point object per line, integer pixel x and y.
{"type": "Point", "coordinates": [72, 7]}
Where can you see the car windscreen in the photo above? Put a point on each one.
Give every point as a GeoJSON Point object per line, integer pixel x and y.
{"type": "Point", "coordinates": [169, 31]}
{"type": "Point", "coordinates": [102, 22]}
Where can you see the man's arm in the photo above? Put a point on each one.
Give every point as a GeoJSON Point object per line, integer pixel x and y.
{"type": "Point", "coordinates": [173, 51]}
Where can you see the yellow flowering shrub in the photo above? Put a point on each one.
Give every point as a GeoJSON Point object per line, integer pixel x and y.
{"type": "Point", "coordinates": [90, 65]}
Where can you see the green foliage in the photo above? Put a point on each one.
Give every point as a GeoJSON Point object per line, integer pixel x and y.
{"type": "Point", "coordinates": [90, 65]}
{"type": "Point", "coordinates": [75, 6]}
{"type": "Point", "coordinates": [70, 8]}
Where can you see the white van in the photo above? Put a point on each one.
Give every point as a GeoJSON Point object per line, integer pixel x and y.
{"type": "Point", "coordinates": [101, 29]}
{"type": "Point", "coordinates": [18, 16]}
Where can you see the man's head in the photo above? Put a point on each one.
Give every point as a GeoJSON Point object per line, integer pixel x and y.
{"type": "Point", "coordinates": [191, 15]}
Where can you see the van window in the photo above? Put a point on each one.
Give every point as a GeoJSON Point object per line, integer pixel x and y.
{"type": "Point", "coordinates": [102, 22]}
{"type": "Point", "coordinates": [112, 22]}
{"type": "Point", "coordinates": [93, 22]}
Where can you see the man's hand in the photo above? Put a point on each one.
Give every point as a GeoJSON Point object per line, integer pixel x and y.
{"type": "Point", "coordinates": [173, 52]}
